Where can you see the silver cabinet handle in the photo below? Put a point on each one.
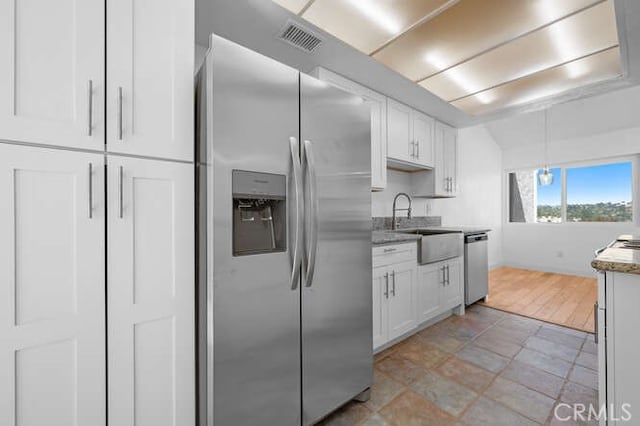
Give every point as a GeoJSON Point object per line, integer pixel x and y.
{"type": "Point", "coordinates": [312, 228]}
{"type": "Point", "coordinates": [448, 280]}
{"type": "Point", "coordinates": [595, 322]}
{"type": "Point", "coordinates": [297, 183]}
{"type": "Point", "coordinates": [90, 107]}
{"type": "Point", "coordinates": [120, 192]}
{"type": "Point", "coordinates": [443, 278]}
{"type": "Point", "coordinates": [418, 149]}
{"type": "Point", "coordinates": [386, 285]}
{"type": "Point", "coordinates": [389, 250]}
{"type": "Point", "coordinates": [119, 113]}
{"type": "Point", "coordinates": [90, 190]}
{"type": "Point", "coordinates": [393, 287]}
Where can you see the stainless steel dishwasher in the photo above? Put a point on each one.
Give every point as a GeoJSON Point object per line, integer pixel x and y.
{"type": "Point", "coordinates": [476, 267]}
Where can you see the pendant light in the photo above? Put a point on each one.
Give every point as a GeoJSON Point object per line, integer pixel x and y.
{"type": "Point", "coordinates": [546, 177]}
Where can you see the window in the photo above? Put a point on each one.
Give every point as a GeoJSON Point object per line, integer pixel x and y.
{"type": "Point", "coordinates": [599, 193]}
{"type": "Point", "coordinates": [595, 193]}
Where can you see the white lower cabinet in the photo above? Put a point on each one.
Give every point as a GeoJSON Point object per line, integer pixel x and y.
{"type": "Point", "coordinates": [618, 348]}
{"type": "Point", "coordinates": [150, 293]}
{"type": "Point", "coordinates": [431, 280]}
{"type": "Point", "coordinates": [454, 288]}
{"type": "Point", "coordinates": [380, 309]}
{"type": "Point", "coordinates": [394, 277]}
{"type": "Point", "coordinates": [401, 316]}
{"type": "Point", "coordinates": [440, 287]}
{"type": "Point", "coordinates": [52, 287]}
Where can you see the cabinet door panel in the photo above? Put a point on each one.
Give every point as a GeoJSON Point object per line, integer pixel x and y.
{"type": "Point", "coordinates": [49, 51]}
{"type": "Point", "coordinates": [378, 142]}
{"type": "Point", "coordinates": [429, 289]}
{"type": "Point", "coordinates": [399, 131]}
{"type": "Point", "coordinates": [423, 138]}
{"type": "Point", "coordinates": [451, 158]}
{"type": "Point", "coordinates": [454, 291]}
{"type": "Point", "coordinates": [150, 71]}
{"type": "Point", "coordinates": [380, 277]}
{"type": "Point", "coordinates": [402, 316]}
{"type": "Point", "coordinates": [52, 340]}
{"type": "Point", "coordinates": [151, 293]}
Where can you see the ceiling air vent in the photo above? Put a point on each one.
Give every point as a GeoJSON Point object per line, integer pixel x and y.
{"type": "Point", "coordinates": [300, 37]}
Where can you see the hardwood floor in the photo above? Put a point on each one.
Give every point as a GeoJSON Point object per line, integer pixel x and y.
{"type": "Point", "coordinates": [556, 298]}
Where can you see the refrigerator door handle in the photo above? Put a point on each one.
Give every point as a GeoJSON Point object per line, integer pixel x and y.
{"type": "Point", "coordinates": [595, 323]}
{"type": "Point", "coordinates": [297, 183]}
{"type": "Point", "coordinates": [312, 228]}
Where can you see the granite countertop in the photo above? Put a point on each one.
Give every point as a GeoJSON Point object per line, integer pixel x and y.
{"type": "Point", "coordinates": [379, 238]}
{"type": "Point", "coordinates": [382, 237]}
{"type": "Point", "coordinates": [617, 258]}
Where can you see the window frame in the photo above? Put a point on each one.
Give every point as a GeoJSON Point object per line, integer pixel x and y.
{"type": "Point", "coordinates": [635, 192]}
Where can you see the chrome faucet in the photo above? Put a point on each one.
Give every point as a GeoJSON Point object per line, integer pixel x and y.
{"type": "Point", "coordinates": [394, 223]}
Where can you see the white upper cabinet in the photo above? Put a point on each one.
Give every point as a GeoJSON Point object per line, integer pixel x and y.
{"type": "Point", "coordinates": [422, 126]}
{"type": "Point", "coordinates": [378, 105]}
{"type": "Point", "coordinates": [52, 287]}
{"type": "Point", "coordinates": [448, 137]}
{"type": "Point", "coordinates": [409, 137]}
{"type": "Point", "coordinates": [399, 132]}
{"type": "Point", "coordinates": [151, 292]}
{"type": "Point", "coordinates": [52, 73]}
{"type": "Point", "coordinates": [442, 181]}
{"type": "Point", "coordinates": [150, 78]}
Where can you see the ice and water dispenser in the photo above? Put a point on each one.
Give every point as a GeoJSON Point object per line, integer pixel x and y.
{"type": "Point", "coordinates": [259, 212]}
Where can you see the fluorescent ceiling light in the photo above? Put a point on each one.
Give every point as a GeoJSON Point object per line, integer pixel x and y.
{"type": "Point", "coordinates": [563, 40]}
{"type": "Point", "coordinates": [460, 78]}
{"type": "Point", "coordinates": [377, 15]}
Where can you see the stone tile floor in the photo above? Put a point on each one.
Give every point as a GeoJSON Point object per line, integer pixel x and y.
{"type": "Point", "coordinates": [484, 368]}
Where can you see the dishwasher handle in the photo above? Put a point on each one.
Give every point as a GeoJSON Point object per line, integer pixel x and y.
{"type": "Point", "coordinates": [475, 238]}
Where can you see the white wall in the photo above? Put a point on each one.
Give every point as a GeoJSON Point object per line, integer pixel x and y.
{"type": "Point", "coordinates": [569, 247]}
{"type": "Point", "coordinates": [479, 198]}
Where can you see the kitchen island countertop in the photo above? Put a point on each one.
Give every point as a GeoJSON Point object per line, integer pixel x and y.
{"type": "Point", "coordinates": [617, 258]}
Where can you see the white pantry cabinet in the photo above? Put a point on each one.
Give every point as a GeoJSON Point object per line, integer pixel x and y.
{"type": "Point", "coordinates": [442, 181]}
{"type": "Point", "coordinates": [394, 278]}
{"type": "Point", "coordinates": [378, 105]}
{"type": "Point", "coordinates": [150, 78]}
{"type": "Point", "coordinates": [409, 137]}
{"type": "Point", "coordinates": [52, 287]}
{"type": "Point", "coordinates": [52, 73]}
{"type": "Point", "coordinates": [151, 292]}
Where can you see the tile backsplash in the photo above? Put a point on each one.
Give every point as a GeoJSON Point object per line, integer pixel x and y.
{"type": "Point", "coordinates": [384, 222]}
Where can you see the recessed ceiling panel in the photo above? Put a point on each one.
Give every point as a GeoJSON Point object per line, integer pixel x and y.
{"type": "Point", "coordinates": [468, 28]}
{"type": "Point", "coordinates": [594, 68]}
{"type": "Point", "coordinates": [574, 37]}
{"type": "Point", "coordinates": [368, 24]}
{"type": "Point", "coordinates": [294, 6]}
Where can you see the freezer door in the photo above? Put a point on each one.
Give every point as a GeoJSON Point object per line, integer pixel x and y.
{"type": "Point", "coordinates": [253, 325]}
{"type": "Point", "coordinates": [337, 283]}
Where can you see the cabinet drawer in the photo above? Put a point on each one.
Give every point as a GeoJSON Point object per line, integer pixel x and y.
{"type": "Point", "coordinates": [396, 253]}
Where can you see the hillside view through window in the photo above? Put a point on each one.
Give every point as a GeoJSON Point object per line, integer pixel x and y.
{"type": "Point", "coordinates": [598, 193]}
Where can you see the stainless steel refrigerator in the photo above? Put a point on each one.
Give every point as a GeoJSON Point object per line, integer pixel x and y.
{"type": "Point", "coordinates": [285, 242]}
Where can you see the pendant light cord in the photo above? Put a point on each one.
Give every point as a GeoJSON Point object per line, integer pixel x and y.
{"type": "Point", "coordinates": [546, 138]}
